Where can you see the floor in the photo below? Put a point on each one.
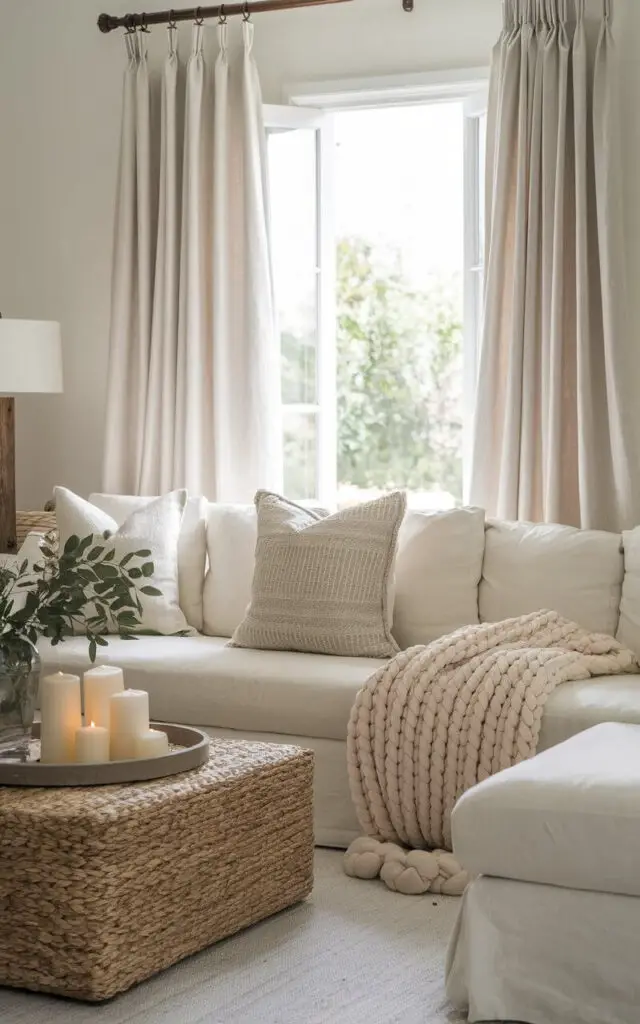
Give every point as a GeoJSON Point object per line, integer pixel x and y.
{"type": "Point", "coordinates": [355, 953]}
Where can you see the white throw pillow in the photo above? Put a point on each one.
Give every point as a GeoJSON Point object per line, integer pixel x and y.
{"type": "Point", "coordinates": [192, 546]}
{"type": "Point", "coordinates": [528, 566]}
{"type": "Point", "coordinates": [438, 569]}
{"type": "Point", "coordinates": [156, 527]}
{"type": "Point", "coordinates": [629, 627]}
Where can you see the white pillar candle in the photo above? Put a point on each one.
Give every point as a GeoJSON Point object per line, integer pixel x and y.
{"type": "Point", "coordinates": [61, 718]}
{"type": "Point", "coordinates": [92, 744]}
{"type": "Point", "coordinates": [153, 743]}
{"type": "Point", "coordinates": [100, 683]}
{"type": "Point", "coordinates": [129, 712]}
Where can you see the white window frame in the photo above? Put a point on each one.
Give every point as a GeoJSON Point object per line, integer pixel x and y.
{"type": "Point", "coordinates": [475, 107]}
{"type": "Point", "coordinates": [280, 118]}
{"type": "Point", "coordinates": [311, 104]}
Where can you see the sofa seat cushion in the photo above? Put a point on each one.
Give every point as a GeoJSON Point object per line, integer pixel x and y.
{"type": "Point", "coordinates": [568, 817]}
{"type": "Point", "coordinates": [201, 681]}
{"type": "Point", "coordinates": [576, 706]}
{"type": "Point", "coordinates": [532, 566]}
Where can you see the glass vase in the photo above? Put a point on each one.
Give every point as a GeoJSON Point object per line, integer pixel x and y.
{"type": "Point", "coordinates": [19, 679]}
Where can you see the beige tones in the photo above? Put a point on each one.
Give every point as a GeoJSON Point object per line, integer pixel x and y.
{"type": "Point", "coordinates": [451, 714]}
{"type": "Point", "coordinates": [321, 584]}
{"type": "Point", "coordinates": [411, 872]}
{"type": "Point", "coordinates": [334, 958]}
{"type": "Point", "coordinates": [438, 568]}
{"type": "Point", "coordinates": [193, 388]}
{"type": "Point", "coordinates": [629, 625]}
{"type": "Point", "coordinates": [530, 566]}
{"type": "Point", "coordinates": [568, 817]}
{"type": "Point", "coordinates": [154, 527]}
{"type": "Point", "coordinates": [145, 894]}
{"type": "Point", "coordinates": [553, 432]}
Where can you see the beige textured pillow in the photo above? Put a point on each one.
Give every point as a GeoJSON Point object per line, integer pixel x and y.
{"type": "Point", "coordinates": [321, 584]}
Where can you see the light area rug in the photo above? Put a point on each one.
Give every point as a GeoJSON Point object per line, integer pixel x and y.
{"type": "Point", "coordinates": [354, 953]}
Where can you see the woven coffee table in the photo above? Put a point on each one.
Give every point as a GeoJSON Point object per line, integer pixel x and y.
{"type": "Point", "coordinates": [100, 888]}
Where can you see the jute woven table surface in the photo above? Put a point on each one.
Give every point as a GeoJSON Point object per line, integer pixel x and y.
{"type": "Point", "coordinates": [102, 887]}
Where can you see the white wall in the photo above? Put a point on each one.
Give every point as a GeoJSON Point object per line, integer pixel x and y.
{"type": "Point", "coordinates": [60, 93]}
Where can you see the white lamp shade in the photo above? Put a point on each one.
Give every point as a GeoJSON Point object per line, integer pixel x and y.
{"type": "Point", "coordinates": [30, 357]}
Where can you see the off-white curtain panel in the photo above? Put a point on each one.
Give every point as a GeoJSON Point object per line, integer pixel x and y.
{"type": "Point", "coordinates": [193, 388]}
{"type": "Point", "coordinates": [554, 435]}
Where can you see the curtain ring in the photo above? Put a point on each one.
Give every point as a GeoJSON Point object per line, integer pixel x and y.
{"type": "Point", "coordinates": [130, 24]}
{"type": "Point", "coordinates": [144, 27]}
{"type": "Point", "coordinates": [173, 24]}
{"type": "Point", "coordinates": [246, 13]}
{"type": "Point", "coordinates": [199, 20]}
{"type": "Point", "coordinates": [222, 17]}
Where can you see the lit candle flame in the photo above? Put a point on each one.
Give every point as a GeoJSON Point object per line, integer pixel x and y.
{"type": "Point", "coordinates": [93, 725]}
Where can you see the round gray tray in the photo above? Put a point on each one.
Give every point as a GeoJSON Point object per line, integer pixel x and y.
{"type": "Point", "coordinates": [194, 752]}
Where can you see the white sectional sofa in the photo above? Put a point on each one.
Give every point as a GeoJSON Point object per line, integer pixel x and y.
{"type": "Point", "coordinates": [452, 569]}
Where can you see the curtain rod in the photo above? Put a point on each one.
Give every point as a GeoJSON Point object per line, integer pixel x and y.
{"type": "Point", "coordinates": [107, 22]}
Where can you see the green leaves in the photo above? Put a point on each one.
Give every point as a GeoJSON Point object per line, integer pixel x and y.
{"type": "Point", "coordinates": [85, 588]}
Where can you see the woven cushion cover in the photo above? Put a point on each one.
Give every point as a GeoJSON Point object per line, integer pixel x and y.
{"type": "Point", "coordinates": [322, 584]}
{"type": "Point", "coordinates": [568, 817]}
{"type": "Point", "coordinates": [107, 886]}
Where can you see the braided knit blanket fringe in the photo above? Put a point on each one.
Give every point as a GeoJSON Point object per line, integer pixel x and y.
{"type": "Point", "coordinates": [436, 720]}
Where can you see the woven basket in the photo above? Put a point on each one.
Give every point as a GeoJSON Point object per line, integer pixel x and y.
{"type": "Point", "coordinates": [102, 888]}
{"type": "Point", "coordinates": [33, 522]}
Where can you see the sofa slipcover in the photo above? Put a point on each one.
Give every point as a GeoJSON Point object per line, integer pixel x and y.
{"type": "Point", "coordinates": [568, 817]}
{"type": "Point", "coordinates": [529, 567]}
{"type": "Point", "coordinates": [201, 681]}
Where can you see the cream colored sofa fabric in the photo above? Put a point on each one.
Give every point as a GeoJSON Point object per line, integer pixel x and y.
{"type": "Point", "coordinates": [438, 569]}
{"type": "Point", "coordinates": [202, 681]}
{"type": "Point", "coordinates": [569, 816]}
{"type": "Point", "coordinates": [629, 625]}
{"type": "Point", "coordinates": [528, 567]}
{"type": "Point", "coordinates": [306, 698]}
{"type": "Point", "coordinates": [232, 532]}
{"type": "Point", "coordinates": [564, 956]}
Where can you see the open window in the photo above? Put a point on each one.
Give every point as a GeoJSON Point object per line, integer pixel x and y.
{"type": "Point", "coordinates": [377, 225]}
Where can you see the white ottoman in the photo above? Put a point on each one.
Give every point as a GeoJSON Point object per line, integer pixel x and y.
{"type": "Point", "coordinates": [549, 931]}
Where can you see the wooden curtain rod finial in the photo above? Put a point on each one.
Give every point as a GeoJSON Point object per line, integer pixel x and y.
{"type": "Point", "coordinates": [104, 23]}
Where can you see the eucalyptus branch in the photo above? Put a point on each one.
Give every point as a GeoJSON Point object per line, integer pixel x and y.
{"type": "Point", "coordinates": [83, 589]}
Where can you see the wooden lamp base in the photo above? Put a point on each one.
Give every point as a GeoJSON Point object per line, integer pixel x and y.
{"type": "Point", "coordinates": [8, 542]}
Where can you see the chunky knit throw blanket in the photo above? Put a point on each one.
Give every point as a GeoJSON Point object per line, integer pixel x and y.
{"type": "Point", "coordinates": [435, 720]}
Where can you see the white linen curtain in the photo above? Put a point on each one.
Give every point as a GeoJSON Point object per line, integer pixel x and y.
{"type": "Point", "coordinates": [554, 438]}
{"type": "Point", "coordinates": [193, 395]}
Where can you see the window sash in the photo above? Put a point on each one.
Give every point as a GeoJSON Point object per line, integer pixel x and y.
{"type": "Point", "coordinates": [279, 118]}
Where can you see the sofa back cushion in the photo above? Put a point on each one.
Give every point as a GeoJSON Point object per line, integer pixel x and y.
{"type": "Point", "coordinates": [438, 569]}
{"type": "Point", "coordinates": [528, 567]}
{"type": "Point", "coordinates": [629, 625]}
{"type": "Point", "coordinates": [232, 532]}
{"type": "Point", "coordinates": [192, 546]}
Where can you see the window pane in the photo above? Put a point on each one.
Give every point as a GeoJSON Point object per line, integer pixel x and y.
{"type": "Point", "coordinates": [300, 454]}
{"type": "Point", "coordinates": [292, 160]}
{"type": "Point", "coordinates": [399, 212]}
